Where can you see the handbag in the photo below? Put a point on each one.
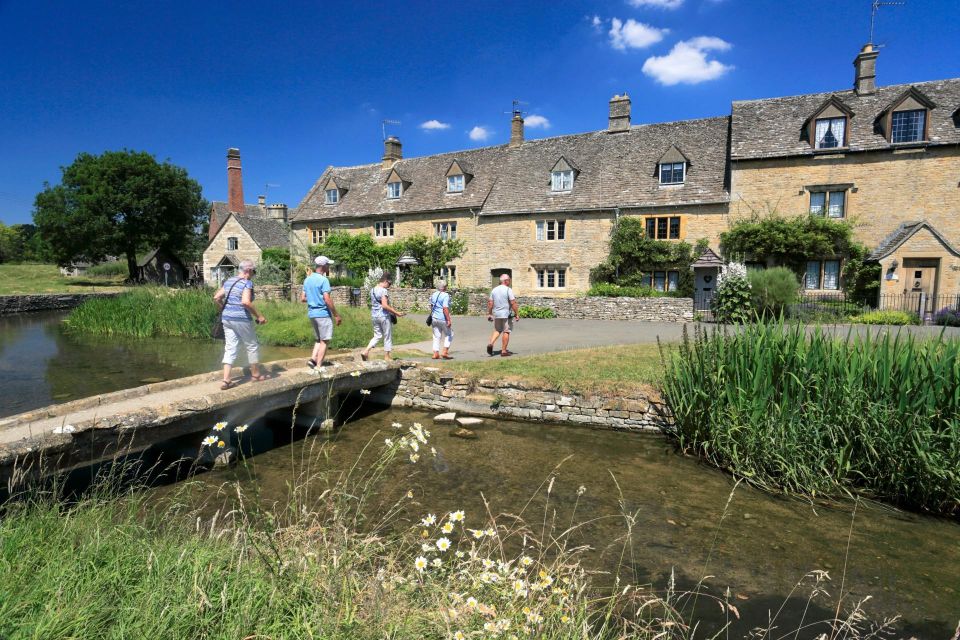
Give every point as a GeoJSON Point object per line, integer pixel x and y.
{"type": "Point", "coordinates": [393, 319]}
{"type": "Point", "coordinates": [433, 306]}
{"type": "Point", "coordinates": [216, 331]}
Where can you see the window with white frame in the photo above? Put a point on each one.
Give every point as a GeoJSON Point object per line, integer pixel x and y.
{"type": "Point", "coordinates": [232, 244]}
{"type": "Point", "coordinates": [445, 230]}
{"type": "Point", "coordinates": [672, 172]}
{"type": "Point", "coordinates": [908, 126]}
{"type": "Point", "coordinates": [551, 277]}
{"type": "Point", "coordinates": [319, 235]}
{"type": "Point", "coordinates": [662, 280]}
{"type": "Point", "coordinates": [663, 227]}
{"type": "Point", "coordinates": [829, 133]}
{"type": "Point", "coordinates": [550, 230]}
{"type": "Point", "coordinates": [448, 273]}
{"type": "Point", "coordinates": [331, 196]}
{"type": "Point", "coordinates": [394, 189]}
{"type": "Point", "coordinates": [455, 183]}
{"type": "Point", "coordinates": [561, 180]}
{"type": "Point", "coordinates": [833, 204]}
{"type": "Point", "coordinates": [383, 229]}
{"type": "Point", "coordinates": [822, 274]}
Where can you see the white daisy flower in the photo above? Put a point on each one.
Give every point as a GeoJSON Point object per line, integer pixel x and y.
{"type": "Point", "coordinates": [447, 527]}
{"type": "Point", "coordinates": [242, 428]}
{"type": "Point", "coordinates": [388, 442]}
{"type": "Point", "coordinates": [414, 457]}
{"type": "Point", "coordinates": [209, 440]}
{"type": "Point", "coordinates": [472, 602]}
{"type": "Point", "coordinates": [220, 426]}
{"type": "Point", "coordinates": [457, 516]}
{"type": "Point", "coordinates": [420, 563]}
{"type": "Point", "coordinates": [443, 544]}
{"type": "Point", "coordinates": [365, 392]}
{"type": "Point", "coordinates": [429, 520]}
{"type": "Point", "coordinates": [436, 563]}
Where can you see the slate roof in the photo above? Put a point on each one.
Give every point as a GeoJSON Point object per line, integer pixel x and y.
{"type": "Point", "coordinates": [903, 233]}
{"type": "Point", "coordinates": [707, 259]}
{"type": "Point", "coordinates": [773, 127]}
{"type": "Point", "coordinates": [220, 210]}
{"type": "Point", "coordinates": [614, 170]}
{"type": "Point", "coordinates": [266, 232]}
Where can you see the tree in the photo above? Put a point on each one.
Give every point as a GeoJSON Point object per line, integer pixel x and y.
{"type": "Point", "coordinates": [432, 254]}
{"type": "Point", "coordinates": [118, 203]}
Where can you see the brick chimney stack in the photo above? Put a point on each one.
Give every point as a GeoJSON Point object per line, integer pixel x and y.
{"type": "Point", "coordinates": [619, 114]}
{"type": "Point", "coordinates": [864, 80]}
{"type": "Point", "coordinates": [234, 181]}
{"type": "Point", "coordinates": [392, 152]}
{"type": "Point", "coordinates": [516, 129]}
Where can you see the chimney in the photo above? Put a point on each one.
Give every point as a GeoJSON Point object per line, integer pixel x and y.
{"type": "Point", "coordinates": [262, 203]}
{"type": "Point", "coordinates": [277, 212]}
{"type": "Point", "coordinates": [864, 80]}
{"type": "Point", "coordinates": [516, 129]}
{"type": "Point", "coordinates": [234, 181]}
{"type": "Point", "coordinates": [392, 151]}
{"type": "Point", "coordinates": [619, 114]}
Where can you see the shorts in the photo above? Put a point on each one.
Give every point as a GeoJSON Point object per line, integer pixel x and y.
{"type": "Point", "coordinates": [322, 329]}
{"type": "Point", "coordinates": [503, 325]}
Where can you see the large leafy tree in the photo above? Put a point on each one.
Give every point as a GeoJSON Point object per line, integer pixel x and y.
{"type": "Point", "coordinates": [118, 203]}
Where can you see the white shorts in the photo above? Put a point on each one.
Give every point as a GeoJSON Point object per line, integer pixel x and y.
{"type": "Point", "coordinates": [322, 329]}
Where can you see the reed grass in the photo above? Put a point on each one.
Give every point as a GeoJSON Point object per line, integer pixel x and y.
{"type": "Point", "coordinates": [812, 413]}
{"type": "Point", "coordinates": [157, 311]}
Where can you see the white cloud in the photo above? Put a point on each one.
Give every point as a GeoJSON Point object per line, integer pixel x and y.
{"type": "Point", "coordinates": [479, 134]}
{"type": "Point", "coordinates": [536, 122]}
{"type": "Point", "coordinates": [633, 34]}
{"type": "Point", "coordinates": [597, 23]}
{"type": "Point", "coordinates": [687, 62]}
{"type": "Point", "coordinates": [659, 4]}
{"type": "Point", "coordinates": [434, 125]}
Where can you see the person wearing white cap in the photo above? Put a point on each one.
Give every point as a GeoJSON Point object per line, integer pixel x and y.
{"type": "Point", "coordinates": [320, 308]}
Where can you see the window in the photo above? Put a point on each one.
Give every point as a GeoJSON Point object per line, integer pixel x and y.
{"type": "Point", "coordinates": [232, 244]}
{"type": "Point", "coordinates": [908, 126]}
{"type": "Point", "coordinates": [383, 229]}
{"type": "Point", "coordinates": [833, 203]}
{"type": "Point", "coordinates": [662, 280]}
{"type": "Point", "coordinates": [822, 275]}
{"type": "Point", "coordinates": [448, 273]}
{"type": "Point", "coordinates": [664, 228]}
{"type": "Point", "coordinates": [561, 180]}
{"type": "Point", "coordinates": [551, 278]}
{"type": "Point", "coordinates": [455, 183]}
{"type": "Point", "coordinates": [445, 230]}
{"type": "Point", "coordinates": [551, 230]}
{"type": "Point", "coordinates": [394, 189]}
{"type": "Point", "coordinates": [331, 196]}
{"type": "Point", "coordinates": [830, 133]}
{"type": "Point", "coordinates": [319, 235]}
{"type": "Point", "coordinates": [671, 172]}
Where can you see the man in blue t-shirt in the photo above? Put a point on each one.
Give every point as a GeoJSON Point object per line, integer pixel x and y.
{"type": "Point", "coordinates": [320, 308]}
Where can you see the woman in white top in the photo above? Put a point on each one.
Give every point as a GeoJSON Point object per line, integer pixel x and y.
{"type": "Point", "coordinates": [442, 323]}
{"type": "Point", "coordinates": [380, 316]}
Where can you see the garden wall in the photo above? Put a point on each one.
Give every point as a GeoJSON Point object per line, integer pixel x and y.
{"type": "Point", "coordinates": [47, 301]}
{"type": "Point", "coordinates": [432, 388]}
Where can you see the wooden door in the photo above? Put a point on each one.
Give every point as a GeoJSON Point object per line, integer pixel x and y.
{"type": "Point", "coordinates": [919, 282]}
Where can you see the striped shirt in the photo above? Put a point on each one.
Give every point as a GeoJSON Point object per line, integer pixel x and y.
{"type": "Point", "coordinates": [234, 309]}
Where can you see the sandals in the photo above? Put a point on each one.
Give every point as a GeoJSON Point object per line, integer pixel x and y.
{"type": "Point", "coordinates": [364, 356]}
{"type": "Point", "coordinates": [227, 384]}
{"type": "Point", "coordinates": [504, 354]}
{"type": "Point", "coordinates": [259, 378]}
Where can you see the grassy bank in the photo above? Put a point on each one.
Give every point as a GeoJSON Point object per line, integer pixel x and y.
{"type": "Point", "coordinates": [46, 278]}
{"type": "Point", "coordinates": [818, 414]}
{"type": "Point", "coordinates": [155, 311]}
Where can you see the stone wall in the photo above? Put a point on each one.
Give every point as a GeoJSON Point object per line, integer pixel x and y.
{"type": "Point", "coordinates": [432, 388]}
{"type": "Point", "coordinates": [47, 301]}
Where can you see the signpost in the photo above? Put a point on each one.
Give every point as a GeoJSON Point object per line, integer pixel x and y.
{"type": "Point", "coordinates": [166, 274]}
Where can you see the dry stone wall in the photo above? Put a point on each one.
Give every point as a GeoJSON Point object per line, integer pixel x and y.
{"type": "Point", "coordinates": [47, 301]}
{"type": "Point", "coordinates": [435, 389]}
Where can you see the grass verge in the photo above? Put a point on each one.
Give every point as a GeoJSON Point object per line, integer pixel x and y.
{"type": "Point", "coordinates": [45, 278]}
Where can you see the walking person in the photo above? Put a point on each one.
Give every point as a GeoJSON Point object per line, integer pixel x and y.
{"type": "Point", "coordinates": [320, 309]}
{"type": "Point", "coordinates": [502, 311]}
{"type": "Point", "coordinates": [382, 315]}
{"type": "Point", "coordinates": [239, 314]}
{"type": "Point", "coordinates": [441, 321]}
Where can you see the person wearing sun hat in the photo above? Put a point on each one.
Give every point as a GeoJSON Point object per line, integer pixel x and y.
{"type": "Point", "coordinates": [320, 308]}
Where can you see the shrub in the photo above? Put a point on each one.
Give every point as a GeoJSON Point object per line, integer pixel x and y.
{"type": "Point", "coordinates": [947, 317]}
{"type": "Point", "coordinates": [528, 311]}
{"type": "Point", "coordinates": [109, 269]}
{"type": "Point", "coordinates": [772, 290]}
{"type": "Point", "coordinates": [732, 302]}
{"type": "Point", "coordinates": [460, 303]}
{"type": "Point", "coordinates": [609, 290]}
{"type": "Point", "coordinates": [273, 273]}
{"type": "Point", "coordinates": [345, 281]}
{"type": "Point", "coordinates": [886, 316]}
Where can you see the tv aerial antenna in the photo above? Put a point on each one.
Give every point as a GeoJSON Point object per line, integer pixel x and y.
{"type": "Point", "coordinates": [516, 108]}
{"type": "Point", "coordinates": [383, 126]}
{"type": "Point", "coordinates": [266, 188]}
{"type": "Point", "coordinates": [874, 8]}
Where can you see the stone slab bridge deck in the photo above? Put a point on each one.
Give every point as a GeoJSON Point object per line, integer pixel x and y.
{"type": "Point", "coordinates": [90, 430]}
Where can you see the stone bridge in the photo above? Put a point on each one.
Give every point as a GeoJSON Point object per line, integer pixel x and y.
{"type": "Point", "coordinates": [84, 432]}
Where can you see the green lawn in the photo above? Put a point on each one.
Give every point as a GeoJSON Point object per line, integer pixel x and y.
{"type": "Point", "coordinates": [46, 278]}
{"type": "Point", "coordinates": [619, 369]}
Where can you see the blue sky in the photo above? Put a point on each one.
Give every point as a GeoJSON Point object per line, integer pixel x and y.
{"type": "Point", "coordinates": [298, 86]}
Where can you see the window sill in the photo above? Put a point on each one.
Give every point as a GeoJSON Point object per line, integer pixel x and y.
{"type": "Point", "coordinates": [560, 193]}
{"type": "Point", "coordinates": [910, 147]}
{"type": "Point", "coordinates": [833, 151]}
{"type": "Point", "coordinates": [454, 193]}
{"type": "Point", "coordinates": [672, 184]}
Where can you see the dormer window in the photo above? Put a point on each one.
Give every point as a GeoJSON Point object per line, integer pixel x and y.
{"type": "Point", "coordinates": [672, 172]}
{"type": "Point", "coordinates": [561, 180]}
{"type": "Point", "coordinates": [455, 183]}
{"type": "Point", "coordinates": [830, 133]}
{"type": "Point", "coordinates": [331, 196]}
{"type": "Point", "coordinates": [908, 126]}
{"type": "Point", "coordinates": [394, 190]}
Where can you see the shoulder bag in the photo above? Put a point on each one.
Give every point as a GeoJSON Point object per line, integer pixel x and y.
{"type": "Point", "coordinates": [216, 331]}
{"type": "Point", "coordinates": [433, 306]}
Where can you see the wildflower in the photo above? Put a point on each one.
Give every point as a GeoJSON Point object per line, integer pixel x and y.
{"type": "Point", "coordinates": [433, 451]}
{"type": "Point", "coordinates": [221, 444]}
{"type": "Point", "coordinates": [564, 618]}
{"type": "Point", "coordinates": [457, 516]}
{"type": "Point", "coordinates": [545, 578]}
{"type": "Point", "coordinates": [396, 425]}
{"type": "Point", "coordinates": [520, 587]}
{"type": "Point", "coordinates": [209, 440]}
{"type": "Point", "coordinates": [534, 618]}
{"type": "Point", "coordinates": [459, 553]}
{"type": "Point", "coordinates": [490, 627]}
{"type": "Point", "coordinates": [488, 563]}
{"type": "Point", "coordinates": [443, 544]}
{"type": "Point", "coordinates": [526, 561]}
{"type": "Point", "coordinates": [477, 533]}
{"type": "Point", "coordinates": [355, 374]}
{"type": "Point", "coordinates": [429, 520]}
{"type": "Point", "coordinates": [410, 494]}
{"type": "Point", "coordinates": [471, 602]}
{"type": "Point", "coordinates": [436, 562]}
{"type": "Point", "coordinates": [489, 532]}
{"type": "Point", "coordinates": [456, 598]}
{"type": "Point", "coordinates": [388, 442]}
{"type": "Point", "coordinates": [242, 428]}
{"type": "Point", "coordinates": [420, 563]}
{"type": "Point", "coordinates": [488, 577]}
{"type": "Point", "coordinates": [447, 527]}
{"type": "Point", "coordinates": [424, 534]}
{"type": "Point", "coordinates": [365, 392]}
{"type": "Point", "coordinates": [425, 547]}
{"type": "Point", "coordinates": [414, 446]}
{"type": "Point", "coordinates": [220, 426]}
{"type": "Point", "coordinates": [414, 457]}
{"type": "Point", "coordinates": [458, 635]}
{"type": "Point", "coordinates": [581, 490]}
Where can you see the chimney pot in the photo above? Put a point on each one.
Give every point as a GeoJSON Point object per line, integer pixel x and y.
{"type": "Point", "coordinates": [392, 152]}
{"type": "Point", "coordinates": [865, 66]}
{"type": "Point", "coordinates": [234, 181]}
{"type": "Point", "coordinates": [277, 212]}
{"type": "Point", "coordinates": [619, 119]}
{"type": "Point", "coordinates": [516, 129]}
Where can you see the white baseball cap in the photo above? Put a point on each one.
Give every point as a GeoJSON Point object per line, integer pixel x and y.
{"type": "Point", "coordinates": [322, 261]}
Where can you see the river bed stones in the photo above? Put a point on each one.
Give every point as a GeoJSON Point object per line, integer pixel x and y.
{"type": "Point", "coordinates": [469, 422]}
{"type": "Point", "coordinates": [466, 434]}
{"type": "Point", "coordinates": [445, 417]}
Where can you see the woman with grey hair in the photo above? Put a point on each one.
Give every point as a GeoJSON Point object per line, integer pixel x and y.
{"type": "Point", "coordinates": [441, 322]}
{"type": "Point", "coordinates": [382, 315]}
{"type": "Point", "coordinates": [235, 296]}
